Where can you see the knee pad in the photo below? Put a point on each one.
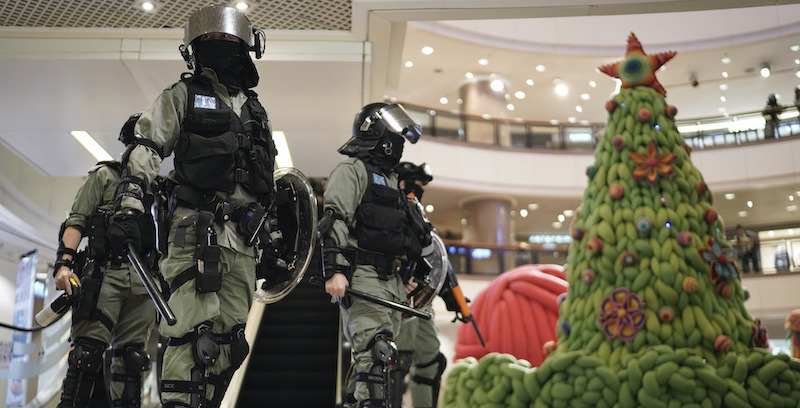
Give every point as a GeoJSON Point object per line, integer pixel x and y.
{"type": "Point", "coordinates": [205, 351]}
{"type": "Point", "coordinates": [384, 354]}
{"type": "Point", "coordinates": [134, 356]}
{"type": "Point", "coordinates": [87, 355]}
{"type": "Point", "coordinates": [239, 351]}
{"type": "Point", "coordinates": [383, 348]}
{"type": "Point", "coordinates": [135, 361]}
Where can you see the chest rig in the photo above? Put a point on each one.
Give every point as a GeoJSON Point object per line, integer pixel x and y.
{"type": "Point", "coordinates": [217, 149]}
{"type": "Point", "coordinates": [381, 217]}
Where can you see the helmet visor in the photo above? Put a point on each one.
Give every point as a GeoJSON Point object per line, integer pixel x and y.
{"type": "Point", "coordinates": [218, 19]}
{"type": "Point", "coordinates": [397, 120]}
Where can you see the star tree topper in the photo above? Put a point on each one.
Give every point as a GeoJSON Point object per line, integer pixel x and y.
{"type": "Point", "coordinates": [638, 68]}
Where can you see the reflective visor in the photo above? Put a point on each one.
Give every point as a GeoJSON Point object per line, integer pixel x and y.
{"type": "Point", "coordinates": [397, 120]}
{"type": "Point", "coordinates": [218, 19]}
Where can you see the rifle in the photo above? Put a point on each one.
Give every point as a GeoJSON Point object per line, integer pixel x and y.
{"type": "Point", "coordinates": [460, 307]}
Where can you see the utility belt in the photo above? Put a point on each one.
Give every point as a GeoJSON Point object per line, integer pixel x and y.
{"type": "Point", "coordinates": [249, 219]}
{"type": "Point", "coordinates": [387, 265]}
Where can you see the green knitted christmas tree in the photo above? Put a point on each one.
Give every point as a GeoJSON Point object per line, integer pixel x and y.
{"type": "Point", "coordinates": [654, 316]}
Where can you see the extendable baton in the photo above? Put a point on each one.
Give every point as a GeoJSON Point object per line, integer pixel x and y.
{"type": "Point", "coordinates": [151, 286]}
{"type": "Point", "coordinates": [378, 300]}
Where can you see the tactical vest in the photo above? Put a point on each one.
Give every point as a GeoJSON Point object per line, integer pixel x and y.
{"type": "Point", "coordinates": [381, 219]}
{"type": "Point", "coordinates": [217, 150]}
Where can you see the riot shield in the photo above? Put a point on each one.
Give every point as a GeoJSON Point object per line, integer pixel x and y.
{"type": "Point", "coordinates": [431, 282]}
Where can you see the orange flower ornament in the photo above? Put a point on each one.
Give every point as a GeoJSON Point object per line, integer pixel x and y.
{"type": "Point", "coordinates": [652, 165]}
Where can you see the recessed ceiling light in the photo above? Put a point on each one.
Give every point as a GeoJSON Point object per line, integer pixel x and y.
{"type": "Point", "coordinates": [540, 68]}
{"type": "Point", "coordinates": [533, 206]}
{"type": "Point", "coordinates": [791, 232]}
{"type": "Point", "coordinates": [572, 119]}
{"type": "Point", "coordinates": [593, 84]}
{"type": "Point", "coordinates": [723, 98]}
{"type": "Point", "coordinates": [561, 218]}
{"type": "Point", "coordinates": [497, 85]}
{"type": "Point", "coordinates": [797, 61]}
{"type": "Point", "coordinates": [469, 75]}
{"type": "Point", "coordinates": [795, 48]}
{"type": "Point", "coordinates": [723, 87]}
{"type": "Point", "coordinates": [726, 59]}
{"type": "Point", "coordinates": [409, 64]}
{"type": "Point", "coordinates": [749, 204]}
{"type": "Point", "coordinates": [724, 74]}
{"type": "Point", "coordinates": [443, 100]}
{"type": "Point", "coordinates": [523, 213]}
{"type": "Point", "coordinates": [429, 208]}
{"type": "Point", "coordinates": [743, 213]}
{"type": "Point", "coordinates": [459, 101]}
{"type": "Point", "coordinates": [586, 96]}
{"type": "Point", "coordinates": [463, 221]}
{"type": "Point", "coordinates": [510, 106]}
{"type": "Point", "coordinates": [556, 225]}
{"type": "Point", "coordinates": [148, 6]}
{"type": "Point", "coordinates": [483, 61]}
{"type": "Point", "coordinates": [771, 233]}
{"type": "Point", "coordinates": [791, 208]}
{"type": "Point", "coordinates": [242, 6]}
{"type": "Point", "coordinates": [519, 95]}
{"type": "Point", "coordinates": [579, 108]}
{"type": "Point", "coordinates": [562, 89]}
{"type": "Point", "coordinates": [791, 198]}
{"type": "Point", "coordinates": [730, 196]}
{"type": "Point", "coordinates": [569, 213]}
{"type": "Point", "coordinates": [529, 82]}
{"type": "Point", "coordinates": [797, 73]}
{"type": "Point", "coordinates": [765, 71]}
{"type": "Point", "coordinates": [553, 122]}
{"type": "Point", "coordinates": [427, 50]}
{"type": "Point", "coordinates": [486, 116]}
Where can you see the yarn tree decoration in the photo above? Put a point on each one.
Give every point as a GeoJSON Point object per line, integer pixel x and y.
{"type": "Point", "coordinates": [654, 315]}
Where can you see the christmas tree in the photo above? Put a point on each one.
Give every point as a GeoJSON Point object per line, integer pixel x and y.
{"type": "Point", "coordinates": [654, 315]}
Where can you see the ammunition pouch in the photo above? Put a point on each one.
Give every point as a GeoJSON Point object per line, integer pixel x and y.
{"type": "Point", "coordinates": [209, 276]}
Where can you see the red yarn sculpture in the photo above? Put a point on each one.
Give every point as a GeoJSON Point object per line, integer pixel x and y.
{"type": "Point", "coordinates": [516, 314]}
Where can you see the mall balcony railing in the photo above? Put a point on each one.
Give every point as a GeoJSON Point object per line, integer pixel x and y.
{"type": "Point", "coordinates": [493, 259]}
{"type": "Point", "coordinates": [700, 133]}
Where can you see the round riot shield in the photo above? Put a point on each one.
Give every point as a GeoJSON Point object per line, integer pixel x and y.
{"type": "Point", "coordinates": [437, 263]}
{"type": "Point", "coordinates": [296, 219]}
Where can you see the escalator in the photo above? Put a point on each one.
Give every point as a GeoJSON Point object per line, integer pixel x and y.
{"type": "Point", "coordinates": [294, 360]}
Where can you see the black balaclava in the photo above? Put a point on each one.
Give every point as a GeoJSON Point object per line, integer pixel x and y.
{"type": "Point", "coordinates": [412, 187]}
{"type": "Point", "coordinates": [386, 154]}
{"type": "Point", "coordinates": [230, 61]}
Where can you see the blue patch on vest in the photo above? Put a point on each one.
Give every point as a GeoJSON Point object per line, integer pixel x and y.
{"type": "Point", "coordinates": [205, 102]}
{"type": "Point", "coordinates": [378, 179]}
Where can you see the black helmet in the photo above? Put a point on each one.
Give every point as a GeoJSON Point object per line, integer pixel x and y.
{"type": "Point", "coordinates": [409, 171]}
{"type": "Point", "coordinates": [126, 135]}
{"type": "Point", "coordinates": [373, 121]}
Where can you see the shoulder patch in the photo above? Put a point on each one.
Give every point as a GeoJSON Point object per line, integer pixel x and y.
{"type": "Point", "coordinates": [205, 102]}
{"type": "Point", "coordinates": [378, 179]}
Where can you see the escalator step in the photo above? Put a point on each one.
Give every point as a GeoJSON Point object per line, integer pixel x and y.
{"type": "Point", "coordinates": [277, 362]}
{"type": "Point", "coordinates": [294, 380]}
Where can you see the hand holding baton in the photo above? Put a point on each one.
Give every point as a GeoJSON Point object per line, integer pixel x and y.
{"type": "Point", "coordinates": [348, 291]}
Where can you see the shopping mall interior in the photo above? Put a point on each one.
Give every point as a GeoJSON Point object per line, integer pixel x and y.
{"type": "Point", "coordinates": [507, 92]}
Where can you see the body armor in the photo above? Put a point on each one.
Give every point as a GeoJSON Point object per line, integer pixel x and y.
{"type": "Point", "coordinates": [218, 150]}
{"type": "Point", "coordinates": [381, 219]}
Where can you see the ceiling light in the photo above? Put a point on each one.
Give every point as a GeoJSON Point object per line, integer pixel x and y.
{"type": "Point", "coordinates": [572, 119]}
{"type": "Point", "coordinates": [483, 61]}
{"type": "Point", "coordinates": [765, 70]}
{"type": "Point", "coordinates": [726, 59]}
{"type": "Point", "coordinates": [797, 61]}
{"type": "Point", "coordinates": [586, 96]}
{"type": "Point", "coordinates": [562, 89]}
{"type": "Point", "coordinates": [409, 64]}
{"type": "Point", "coordinates": [529, 82]}
{"type": "Point", "coordinates": [743, 213]}
{"type": "Point", "coordinates": [459, 101]}
{"type": "Point", "coordinates": [443, 100]}
{"type": "Point", "coordinates": [561, 218]}
{"type": "Point", "coordinates": [797, 73]}
{"type": "Point", "coordinates": [722, 98]}
{"type": "Point", "coordinates": [540, 68]}
{"type": "Point", "coordinates": [791, 208]}
{"type": "Point", "coordinates": [533, 206]}
{"type": "Point", "coordinates": [510, 106]}
{"type": "Point", "coordinates": [724, 74]}
{"type": "Point", "coordinates": [553, 121]}
{"type": "Point", "coordinates": [791, 198]}
{"type": "Point", "coordinates": [771, 233]}
{"type": "Point", "coordinates": [468, 75]}
{"type": "Point", "coordinates": [791, 232]}
{"type": "Point", "coordinates": [429, 208]}
{"type": "Point", "coordinates": [497, 85]}
{"type": "Point", "coordinates": [730, 196]}
{"type": "Point", "coordinates": [486, 116]}
{"type": "Point", "coordinates": [519, 95]}
{"type": "Point", "coordinates": [556, 225]}
{"type": "Point", "coordinates": [463, 221]}
{"type": "Point", "coordinates": [750, 204]}
{"type": "Point", "coordinates": [88, 142]}
{"type": "Point", "coordinates": [242, 6]}
{"type": "Point", "coordinates": [795, 48]}
{"type": "Point", "coordinates": [427, 50]}
{"type": "Point", "coordinates": [523, 213]}
{"type": "Point", "coordinates": [579, 108]}
{"type": "Point", "coordinates": [569, 213]}
{"type": "Point", "coordinates": [593, 84]}
{"type": "Point", "coordinates": [148, 6]}
{"type": "Point", "coordinates": [723, 87]}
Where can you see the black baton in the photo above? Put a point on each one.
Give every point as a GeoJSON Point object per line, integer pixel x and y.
{"type": "Point", "coordinates": [377, 300]}
{"type": "Point", "coordinates": [150, 285]}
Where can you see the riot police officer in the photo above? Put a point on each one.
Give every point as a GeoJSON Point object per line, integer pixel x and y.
{"type": "Point", "coordinates": [367, 242]}
{"type": "Point", "coordinates": [114, 307]}
{"type": "Point", "coordinates": [221, 137]}
{"type": "Point", "coordinates": [418, 341]}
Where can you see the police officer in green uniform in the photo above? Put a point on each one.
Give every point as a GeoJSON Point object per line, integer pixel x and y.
{"type": "Point", "coordinates": [221, 137]}
{"type": "Point", "coordinates": [367, 243]}
{"type": "Point", "coordinates": [418, 342]}
{"type": "Point", "coordinates": [114, 307]}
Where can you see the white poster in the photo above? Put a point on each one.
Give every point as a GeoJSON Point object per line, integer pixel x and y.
{"type": "Point", "coordinates": [23, 317]}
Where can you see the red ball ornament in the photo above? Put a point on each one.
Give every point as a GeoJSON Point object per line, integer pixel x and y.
{"type": "Point", "coordinates": [665, 314]}
{"type": "Point", "coordinates": [702, 187]}
{"type": "Point", "coordinates": [548, 347]}
{"type": "Point", "coordinates": [643, 115]}
{"type": "Point", "coordinates": [684, 238]}
{"type": "Point", "coordinates": [670, 111]}
{"type": "Point", "coordinates": [595, 245]}
{"type": "Point", "coordinates": [587, 276]}
{"type": "Point", "coordinates": [616, 191]}
{"type": "Point", "coordinates": [618, 141]}
{"type": "Point", "coordinates": [577, 234]}
{"type": "Point", "coordinates": [724, 288]}
{"type": "Point", "coordinates": [611, 105]}
{"type": "Point", "coordinates": [629, 259]}
{"type": "Point", "coordinates": [710, 215]}
{"type": "Point", "coordinates": [722, 343]}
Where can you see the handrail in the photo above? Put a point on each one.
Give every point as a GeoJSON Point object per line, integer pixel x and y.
{"type": "Point", "coordinates": [702, 133]}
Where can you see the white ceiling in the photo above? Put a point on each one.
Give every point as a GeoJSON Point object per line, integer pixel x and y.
{"type": "Point", "coordinates": [314, 77]}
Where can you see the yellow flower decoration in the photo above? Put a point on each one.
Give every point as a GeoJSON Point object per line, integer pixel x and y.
{"type": "Point", "coordinates": [653, 164]}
